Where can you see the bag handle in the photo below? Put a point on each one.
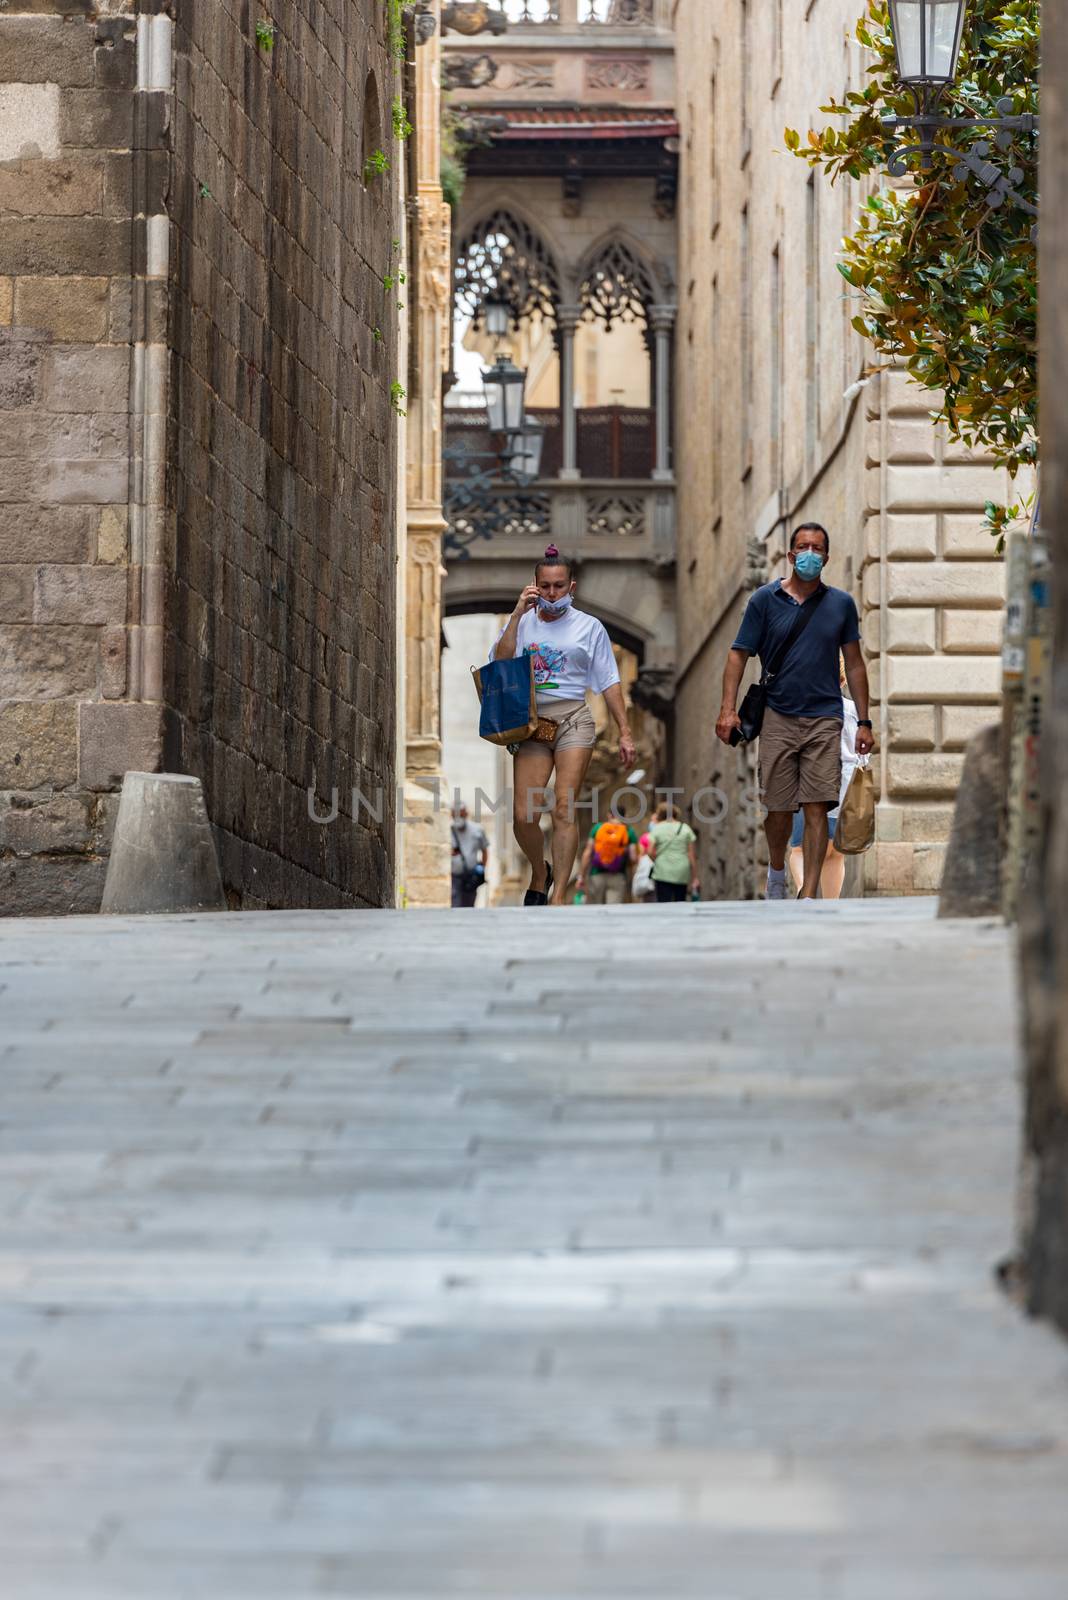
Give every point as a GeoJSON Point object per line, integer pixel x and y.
{"type": "Point", "coordinates": [800, 623]}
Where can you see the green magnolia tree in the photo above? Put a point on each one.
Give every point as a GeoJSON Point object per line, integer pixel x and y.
{"type": "Point", "coordinates": [947, 283]}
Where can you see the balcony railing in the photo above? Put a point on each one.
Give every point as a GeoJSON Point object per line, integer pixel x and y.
{"type": "Point", "coordinates": [568, 14]}
{"type": "Point", "coordinates": [615, 509]}
{"type": "Point", "coordinates": [613, 441]}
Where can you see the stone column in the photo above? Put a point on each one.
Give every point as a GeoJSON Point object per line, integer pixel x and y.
{"type": "Point", "coordinates": [426, 873]}
{"type": "Point", "coordinates": [567, 320]}
{"type": "Point", "coordinates": [662, 322]}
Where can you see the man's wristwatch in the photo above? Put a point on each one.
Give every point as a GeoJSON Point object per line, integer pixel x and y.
{"type": "Point", "coordinates": [863, 722]}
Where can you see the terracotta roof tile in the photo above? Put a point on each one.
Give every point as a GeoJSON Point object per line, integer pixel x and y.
{"type": "Point", "coordinates": [589, 122]}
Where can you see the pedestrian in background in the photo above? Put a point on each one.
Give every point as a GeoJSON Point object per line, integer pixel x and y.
{"type": "Point", "coordinates": [832, 878]}
{"type": "Point", "coordinates": [470, 855]}
{"type": "Point", "coordinates": [673, 848]}
{"type": "Point", "coordinates": [611, 850]}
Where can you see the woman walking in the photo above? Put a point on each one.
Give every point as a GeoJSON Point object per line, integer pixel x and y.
{"type": "Point", "coordinates": [673, 848]}
{"type": "Point", "coordinates": [572, 654]}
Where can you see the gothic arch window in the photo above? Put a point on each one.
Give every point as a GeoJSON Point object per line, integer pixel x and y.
{"type": "Point", "coordinates": [503, 256]}
{"type": "Point", "coordinates": [616, 286]}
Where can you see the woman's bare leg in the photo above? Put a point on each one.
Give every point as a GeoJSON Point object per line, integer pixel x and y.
{"type": "Point", "coordinates": [532, 770]}
{"type": "Point", "coordinates": [795, 861]}
{"type": "Point", "coordinates": [571, 766]}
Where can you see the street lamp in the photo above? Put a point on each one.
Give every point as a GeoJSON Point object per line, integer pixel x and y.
{"type": "Point", "coordinates": [927, 39]}
{"type": "Point", "coordinates": [504, 384]}
{"type": "Point", "coordinates": [498, 315]}
{"type": "Point", "coordinates": [524, 464]}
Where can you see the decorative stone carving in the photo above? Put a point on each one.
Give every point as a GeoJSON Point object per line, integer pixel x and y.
{"type": "Point", "coordinates": [617, 287]}
{"type": "Point", "coordinates": [474, 16]}
{"type": "Point", "coordinates": [622, 75]}
{"type": "Point", "coordinates": [469, 72]}
{"type": "Point", "coordinates": [756, 563]}
{"type": "Point", "coordinates": [505, 256]}
{"type": "Point", "coordinates": [617, 515]}
{"type": "Point", "coordinates": [532, 75]}
{"type": "Point", "coordinates": [426, 22]}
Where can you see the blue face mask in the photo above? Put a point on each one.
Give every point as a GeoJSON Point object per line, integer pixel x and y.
{"type": "Point", "coordinates": [555, 608]}
{"type": "Point", "coordinates": [808, 564]}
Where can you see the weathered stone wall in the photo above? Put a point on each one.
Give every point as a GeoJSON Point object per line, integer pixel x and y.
{"type": "Point", "coordinates": [1043, 926]}
{"type": "Point", "coordinates": [198, 467]}
{"type": "Point", "coordinates": [67, 71]}
{"type": "Point", "coordinates": [281, 648]}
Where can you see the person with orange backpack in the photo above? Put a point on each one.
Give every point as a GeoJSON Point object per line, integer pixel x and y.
{"type": "Point", "coordinates": [611, 849]}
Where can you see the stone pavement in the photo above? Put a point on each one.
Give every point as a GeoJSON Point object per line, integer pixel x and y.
{"type": "Point", "coordinates": [528, 1256]}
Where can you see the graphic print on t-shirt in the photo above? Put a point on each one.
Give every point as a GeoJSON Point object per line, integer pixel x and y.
{"type": "Point", "coordinates": [549, 665]}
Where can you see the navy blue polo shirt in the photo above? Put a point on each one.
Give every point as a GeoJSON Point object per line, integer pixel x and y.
{"type": "Point", "coordinates": [808, 685]}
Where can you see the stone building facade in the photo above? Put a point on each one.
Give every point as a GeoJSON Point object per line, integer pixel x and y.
{"type": "Point", "coordinates": [198, 444]}
{"type": "Point", "coordinates": [569, 210]}
{"type": "Point", "coordinates": [423, 841]}
{"type": "Point", "coordinates": [780, 425]}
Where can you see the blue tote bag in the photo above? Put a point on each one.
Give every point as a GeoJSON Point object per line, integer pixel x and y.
{"type": "Point", "coordinates": [509, 706]}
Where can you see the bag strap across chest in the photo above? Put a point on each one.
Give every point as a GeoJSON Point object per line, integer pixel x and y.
{"type": "Point", "coordinates": [805, 614]}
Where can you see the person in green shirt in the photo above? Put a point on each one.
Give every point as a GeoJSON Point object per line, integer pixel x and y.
{"type": "Point", "coordinates": [673, 848]}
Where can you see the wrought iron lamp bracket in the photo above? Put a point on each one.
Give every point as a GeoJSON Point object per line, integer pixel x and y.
{"type": "Point", "coordinates": [1000, 185]}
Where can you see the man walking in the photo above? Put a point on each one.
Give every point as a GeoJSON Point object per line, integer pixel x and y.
{"type": "Point", "coordinates": [470, 852]}
{"type": "Point", "coordinates": [800, 741]}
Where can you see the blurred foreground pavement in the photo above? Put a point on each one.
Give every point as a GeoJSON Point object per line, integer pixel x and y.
{"type": "Point", "coordinates": [520, 1255]}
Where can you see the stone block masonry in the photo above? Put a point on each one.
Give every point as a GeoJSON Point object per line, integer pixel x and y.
{"type": "Point", "coordinates": [283, 444]}
{"type": "Point", "coordinates": [197, 448]}
{"type": "Point", "coordinates": [66, 240]}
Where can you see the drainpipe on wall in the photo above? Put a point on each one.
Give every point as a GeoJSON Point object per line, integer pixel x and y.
{"type": "Point", "coordinates": [149, 360]}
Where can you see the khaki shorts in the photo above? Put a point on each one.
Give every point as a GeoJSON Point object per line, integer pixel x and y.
{"type": "Point", "coordinates": [800, 761]}
{"type": "Point", "coordinates": [606, 888]}
{"type": "Point", "coordinates": [578, 731]}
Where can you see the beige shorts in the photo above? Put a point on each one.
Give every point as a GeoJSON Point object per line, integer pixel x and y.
{"type": "Point", "coordinates": [578, 731]}
{"type": "Point", "coordinates": [800, 761]}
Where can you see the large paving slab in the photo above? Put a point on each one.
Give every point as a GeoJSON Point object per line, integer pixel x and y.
{"type": "Point", "coordinates": [520, 1255]}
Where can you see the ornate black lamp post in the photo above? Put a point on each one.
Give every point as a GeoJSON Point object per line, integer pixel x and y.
{"type": "Point", "coordinates": [475, 478]}
{"type": "Point", "coordinates": [927, 41]}
{"type": "Point", "coordinates": [504, 385]}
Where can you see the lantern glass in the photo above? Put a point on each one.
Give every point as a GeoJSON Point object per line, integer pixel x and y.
{"type": "Point", "coordinates": [504, 384]}
{"type": "Point", "coordinates": [498, 315]}
{"type": "Point", "coordinates": [526, 458]}
{"type": "Point", "coordinates": [927, 39]}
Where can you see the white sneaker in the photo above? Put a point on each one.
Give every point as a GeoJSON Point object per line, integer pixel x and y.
{"type": "Point", "coordinates": [776, 889]}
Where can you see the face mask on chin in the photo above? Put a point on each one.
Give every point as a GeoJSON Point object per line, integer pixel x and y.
{"type": "Point", "coordinates": [808, 564]}
{"type": "Point", "coordinates": [555, 608]}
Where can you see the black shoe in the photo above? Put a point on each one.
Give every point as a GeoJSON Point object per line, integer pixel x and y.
{"type": "Point", "coordinates": [540, 897]}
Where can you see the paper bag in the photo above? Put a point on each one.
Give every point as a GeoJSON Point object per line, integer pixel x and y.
{"type": "Point", "coordinates": [855, 832]}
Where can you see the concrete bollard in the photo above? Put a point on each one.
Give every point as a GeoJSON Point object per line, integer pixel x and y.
{"type": "Point", "coordinates": [971, 882]}
{"type": "Point", "coordinates": [163, 854]}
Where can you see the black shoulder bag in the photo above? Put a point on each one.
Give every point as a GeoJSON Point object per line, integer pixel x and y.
{"type": "Point", "coordinates": [751, 711]}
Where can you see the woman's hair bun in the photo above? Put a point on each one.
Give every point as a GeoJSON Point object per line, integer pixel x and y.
{"type": "Point", "coordinates": [550, 552]}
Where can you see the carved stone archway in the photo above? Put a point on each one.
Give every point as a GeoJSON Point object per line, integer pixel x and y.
{"type": "Point", "coordinates": [504, 256]}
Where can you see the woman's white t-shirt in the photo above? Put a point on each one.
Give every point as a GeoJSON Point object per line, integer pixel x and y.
{"type": "Point", "coordinates": [571, 654]}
